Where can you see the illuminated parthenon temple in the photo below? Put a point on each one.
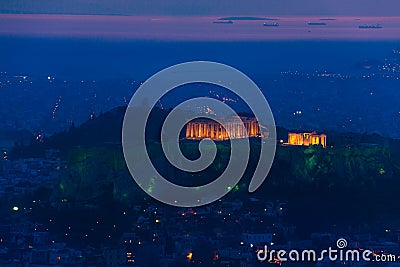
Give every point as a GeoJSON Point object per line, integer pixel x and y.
{"type": "Point", "coordinates": [207, 128]}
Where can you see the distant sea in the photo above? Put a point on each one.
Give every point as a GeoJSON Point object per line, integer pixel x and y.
{"type": "Point", "coordinates": [199, 28]}
{"type": "Point", "coordinates": [124, 46]}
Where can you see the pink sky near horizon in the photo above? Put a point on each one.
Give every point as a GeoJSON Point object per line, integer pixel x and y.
{"type": "Point", "coordinates": [195, 28]}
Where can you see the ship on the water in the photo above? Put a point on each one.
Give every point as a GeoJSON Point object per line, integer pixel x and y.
{"type": "Point", "coordinates": [275, 24]}
{"type": "Point", "coordinates": [316, 23]}
{"type": "Point", "coordinates": [376, 26]}
{"type": "Point", "coordinates": [223, 22]}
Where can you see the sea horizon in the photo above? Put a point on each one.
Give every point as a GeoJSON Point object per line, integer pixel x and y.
{"type": "Point", "coordinates": [200, 28]}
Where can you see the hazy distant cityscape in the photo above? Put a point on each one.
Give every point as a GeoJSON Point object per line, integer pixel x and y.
{"type": "Point", "coordinates": [299, 99]}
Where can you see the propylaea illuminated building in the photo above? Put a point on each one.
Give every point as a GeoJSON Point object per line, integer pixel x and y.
{"type": "Point", "coordinates": [306, 139]}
